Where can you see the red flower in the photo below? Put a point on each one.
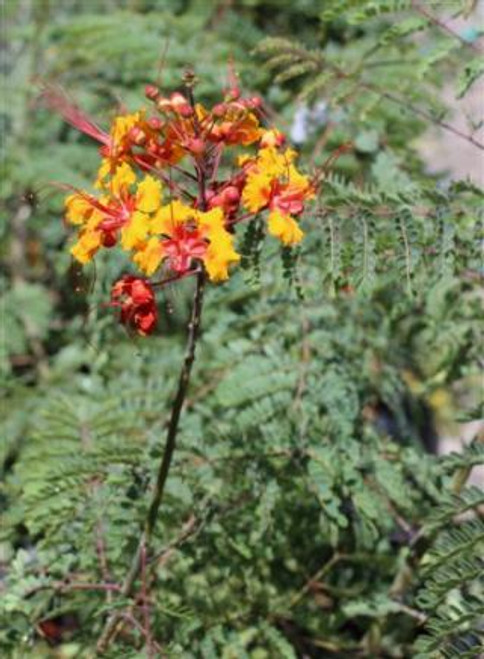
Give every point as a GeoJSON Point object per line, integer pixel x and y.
{"type": "Point", "coordinates": [136, 299]}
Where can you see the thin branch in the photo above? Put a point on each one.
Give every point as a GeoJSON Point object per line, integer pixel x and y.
{"type": "Point", "coordinates": [445, 27]}
{"type": "Point", "coordinates": [395, 99]}
{"type": "Point", "coordinates": [422, 113]}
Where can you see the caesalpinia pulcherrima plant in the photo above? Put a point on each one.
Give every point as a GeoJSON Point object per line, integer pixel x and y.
{"type": "Point", "coordinates": [158, 196]}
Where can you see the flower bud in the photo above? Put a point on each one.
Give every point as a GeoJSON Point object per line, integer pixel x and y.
{"type": "Point", "coordinates": [255, 102]}
{"type": "Point", "coordinates": [136, 300]}
{"type": "Point", "coordinates": [231, 194]}
{"type": "Point", "coordinates": [152, 92]}
{"type": "Point", "coordinates": [155, 123]}
{"type": "Point", "coordinates": [137, 136]}
{"type": "Point", "coordinates": [180, 105]}
{"type": "Point", "coordinates": [195, 145]}
{"type": "Point", "coordinates": [163, 104]}
{"type": "Point", "coordinates": [233, 94]}
{"type": "Point", "coordinates": [219, 110]}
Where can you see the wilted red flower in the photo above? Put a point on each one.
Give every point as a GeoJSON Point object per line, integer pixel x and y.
{"type": "Point", "coordinates": [136, 299]}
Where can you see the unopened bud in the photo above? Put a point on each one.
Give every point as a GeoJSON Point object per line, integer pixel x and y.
{"type": "Point", "coordinates": [231, 194]}
{"type": "Point", "coordinates": [155, 123]}
{"type": "Point", "coordinates": [255, 102]}
{"type": "Point", "coordinates": [272, 138]}
{"type": "Point", "coordinates": [177, 101]}
{"type": "Point", "coordinates": [233, 94]}
{"type": "Point", "coordinates": [152, 92]}
{"type": "Point", "coordinates": [195, 145]}
{"type": "Point", "coordinates": [219, 110]}
{"type": "Point", "coordinates": [137, 136]}
{"type": "Point", "coordinates": [163, 104]}
{"type": "Point", "coordinates": [185, 111]}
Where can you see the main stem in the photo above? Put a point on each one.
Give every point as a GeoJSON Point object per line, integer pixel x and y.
{"type": "Point", "coordinates": [170, 444]}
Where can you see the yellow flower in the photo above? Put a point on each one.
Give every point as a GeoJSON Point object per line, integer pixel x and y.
{"type": "Point", "coordinates": [88, 244]}
{"type": "Point", "coordinates": [125, 214]}
{"type": "Point", "coordinates": [285, 228]}
{"type": "Point", "coordinates": [122, 179]}
{"type": "Point", "coordinates": [78, 209]}
{"type": "Point", "coordinates": [220, 254]}
{"type": "Point", "coordinates": [257, 191]}
{"type": "Point", "coordinates": [149, 256]}
{"type": "Point", "coordinates": [170, 216]}
{"type": "Point", "coordinates": [184, 235]}
{"type": "Point", "coordinates": [122, 126]}
{"type": "Point", "coordinates": [148, 195]}
{"type": "Point", "coordinates": [134, 233]}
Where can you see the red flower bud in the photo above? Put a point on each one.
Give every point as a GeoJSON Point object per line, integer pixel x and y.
{"type": "Point", "coordinates": [155, 123]}
{"type": "Point", "coordinates": [163, 104]}
{"type": "Point", "coordinates": [233, 94]}
{"type": "Point", "coordinates": [231, 194]}
{"type": "Point", "coordinates": [195, 145]}
{"type": "Point", "coordinates": [137, 136]}
{"type": "Point", "coordinates": [219, 110]}
{"type": "Point", "coordinates": [152, 92]}
{"type": "Point", "coordinates": [180, 105]}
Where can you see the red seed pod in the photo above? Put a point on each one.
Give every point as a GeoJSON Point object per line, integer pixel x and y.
{"type": "Point", "coordinates": [152, 92]}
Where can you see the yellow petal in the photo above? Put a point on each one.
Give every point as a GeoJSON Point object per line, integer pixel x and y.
{"type": "Point", "coordinates": [88, 244]}
{"type": "Point", "coordinates": [78, 209]}
{"type": "Point", "coordinates": [148, 197]}
{"type": "Point", "coordinates": [95, 218]}
{"type": "Point", "coordinates": [285, 228]}
{"type": "Point", "coordinates": [149, 258]}
{"type": "Point", "coordinates": [169, 216]}
{"type": "Point", "coordinates": [103, 172]}
{"type": "Point", "coordinates": [123, 124]}
{"type": "Point", "coordinates": [212, 220]}
{"type": "Point", "coordinates": [135, 232]}
{"type": "Point", "coordinates": [257, 191]}
{"type": "Point", "coordinates": [298, 181]}
{"type": "Point", "coordinates": [219, 255]}
{"type": "Point", "coordinates": [123, 177]}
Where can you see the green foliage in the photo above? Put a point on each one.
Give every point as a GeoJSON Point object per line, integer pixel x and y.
{"type": "Point", "coordinates": [307, 513]}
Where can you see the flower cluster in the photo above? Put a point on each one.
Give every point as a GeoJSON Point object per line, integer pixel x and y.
{"type": "Point", "coordinates": [160, 196]}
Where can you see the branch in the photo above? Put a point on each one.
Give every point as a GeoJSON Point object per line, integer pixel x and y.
{"type": "Point", "coordinates": [443, 26]}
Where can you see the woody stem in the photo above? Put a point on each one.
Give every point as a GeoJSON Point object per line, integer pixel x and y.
{"type": "Point", "coordinates": [164, 468]}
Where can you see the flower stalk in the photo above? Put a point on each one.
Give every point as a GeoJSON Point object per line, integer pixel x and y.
{"type": "Point", "coordinates": [164, 468]}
